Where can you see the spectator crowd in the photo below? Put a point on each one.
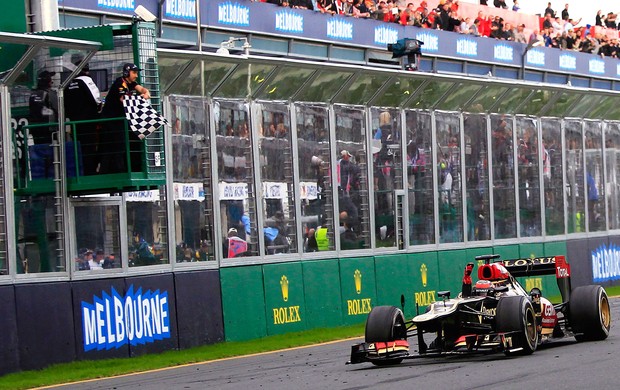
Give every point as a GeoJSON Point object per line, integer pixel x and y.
{"type": "Point", "coordinates": [556, 30]}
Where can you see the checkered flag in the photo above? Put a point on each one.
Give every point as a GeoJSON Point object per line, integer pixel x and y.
{"type": "Point", "coordinates": [142, 117]}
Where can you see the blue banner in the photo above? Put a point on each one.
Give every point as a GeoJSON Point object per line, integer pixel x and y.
{"type": "Point", "coordinates": [248, 16]}
{"type": "Point", "coordinates": [605, 263]}
{"type": "Point", "coordinates": [113, 320]}
{"type": "Point", "coordinates": [173, 10]}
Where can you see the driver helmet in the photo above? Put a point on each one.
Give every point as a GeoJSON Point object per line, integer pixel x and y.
{"type": "Point", "coordinates": [482, 288]}
{"type": "Point", "coordinates": [535, 294]}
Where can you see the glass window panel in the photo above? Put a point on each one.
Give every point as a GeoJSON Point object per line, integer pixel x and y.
{"type": "Point", "coordinates": [432, 92]}
{"type": "Point", "coordinates": [613, 113]}
{"type": "Point", "coordinates": [352, 178]}
{"type": "Point", "coordinates": [190, 84]}
{"type": "Point", "coordinates": [612, 178]}
{"type": "Point", "coordinates": [37, 236]}
{"type": "Point", "coordinates": [457, 98]}
{"type": "Point", "coordinates": [285, 83]}
{"type": "Point", "coordinates": [536, 102]}
{"type": "Point", "coordinates": [528, 177]}
{"type": "Point", "coordinates": [326, 84]}
{"type": "Point", "coordinates": [510, 102]}
{"type": "Point", "coordinates": [361, 90]}
{"type": "Point", "coordinates": [191, 170]}
{"type": "Point", "coordinates": [603, 109]}
{"type": "Point", "coordinates": [214, 72]}
{"type": "Point", "coordinates": [245, 76]}
{"type": "Point", "coordinates": [75, 21]}
{"type": "Point", "coordinates": [387, 174]}
{"type": "Point", "coordinates": [449, 177]}
{"type": "Point", "coordinates": [97, 238]}
{"type": "Point", "coordinates": [316, 197]}
{"type": "Point", "coordinates": [485, 99]}
{"type": "Point", "coordinates": [553, 181]}
{"type": "Point", "coordinates": [560, 107]}
{"type": "Point", "coordinates": [398, 92]}
{"type": "Point", "coordinates": [420, 178]}
{"type": "Point", "coordinates": [276, 165]}
{"type": "Point", "coordinates": [585, 106]}
{"type": "Point", "coordinates": [476, 178]}
{"type": "Point", "coordinates": [146, 230]}
{"type": "Point", "coordinates": [575, 186]}
{"type": "Point", "coordinates": [236, 179]}
{"type": "Point", "coordinates": [595, 181]}
{"type": "Point", "coordinates": [503, 179]}
{"type": "Point", "coordinates": [169, 69]}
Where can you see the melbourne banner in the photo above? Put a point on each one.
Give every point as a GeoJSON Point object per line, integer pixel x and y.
{"type": "Point", "coordinates": [606, 263]}
{"type": "Point", "coordinates": [112, 320]}
{"type": "Point", "coordinates": [258, 17]}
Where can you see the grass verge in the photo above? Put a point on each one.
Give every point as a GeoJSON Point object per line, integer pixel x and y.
{"type": "Point", "coordinates": [82, 370]}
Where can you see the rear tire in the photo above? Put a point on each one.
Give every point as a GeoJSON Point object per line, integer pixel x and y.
{"type": "Point", "coordinates": [590, 314]}
{"type": "Point", "coordinates": [385, 323]}
{"type": "Point", "coordinates": [516, 315]}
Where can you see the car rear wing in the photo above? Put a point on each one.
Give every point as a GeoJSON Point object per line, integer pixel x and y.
{"type": "Point", "coordinates": [543, 266]}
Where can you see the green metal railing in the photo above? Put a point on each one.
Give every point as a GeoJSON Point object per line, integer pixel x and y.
{"type": "Point", "coordinates": [152, 161]}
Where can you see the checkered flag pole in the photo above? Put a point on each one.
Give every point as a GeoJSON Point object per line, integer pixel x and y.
{"type": "Point", "coordinates": [142, 117]}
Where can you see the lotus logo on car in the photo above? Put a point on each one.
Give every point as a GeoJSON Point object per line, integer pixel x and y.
{"type": "Point", "coordinates": [112, 320]}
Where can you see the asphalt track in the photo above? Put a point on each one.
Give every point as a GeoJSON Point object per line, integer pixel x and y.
{"type": "Point", "coordinates": [563, 364]}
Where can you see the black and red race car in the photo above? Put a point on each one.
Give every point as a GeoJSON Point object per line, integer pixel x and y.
{"type": "Point", "coordinates": [494, 314]}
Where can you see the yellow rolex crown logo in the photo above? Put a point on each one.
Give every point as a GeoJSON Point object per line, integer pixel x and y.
{"type": "Point", "coordinates": [424, 272]}
{"type": "Point", "coordinates": [357, 276]}
{"type": "Point", "coordinates": [284, 286]}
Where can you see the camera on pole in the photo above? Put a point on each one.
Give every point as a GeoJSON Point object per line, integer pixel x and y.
{"type": "Point", "coordinates": [409, 50]}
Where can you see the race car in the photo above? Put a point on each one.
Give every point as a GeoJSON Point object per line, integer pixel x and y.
{"type": "Point", "coordinates": [494, 314]}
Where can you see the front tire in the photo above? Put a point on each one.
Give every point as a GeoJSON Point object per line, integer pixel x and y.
{"type": "Point", "coordinates": [385, 324]}
{"type": "Point", "coordinates": [516, 315]}
{"type": "Point", "coordinates": [590, 313]}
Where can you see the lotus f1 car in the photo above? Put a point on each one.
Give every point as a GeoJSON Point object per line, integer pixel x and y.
{"type": "Point", "coordinates": [494, 314]}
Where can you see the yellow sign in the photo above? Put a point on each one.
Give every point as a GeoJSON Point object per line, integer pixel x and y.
{"type": "Point", "coordinates": [358, 306]}
{"type": "Point", "coordinates": [285, 315]}
{"type": "Point", "coordinates": [284, 286]}
{"type": "Point", "coordinates": [424, 272]}
{"type": "Point", "coordinates": [357, 276]}
{"type": "Point", "coordinates": [530, 283]}
{"type": "Point", "coordinates": [424, 298]}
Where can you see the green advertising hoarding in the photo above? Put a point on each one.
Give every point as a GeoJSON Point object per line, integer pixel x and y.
{"type": "Point", "coordinates": [243, 302]}
{"type": "Point", "coordinates": [451, 266]}
{"type": "Point", "coordinates": [285, 307]}
{"type": "Point", "coordinates": [424, 282]}
{"type": "Point", "coordinates": [393, 275]}
{"type": "Point", "coordinates": [508, 252]}
{"type": "Point", "coordinates": [358, 288]}
{"type": "Point", "coordinates": [322, 290]}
